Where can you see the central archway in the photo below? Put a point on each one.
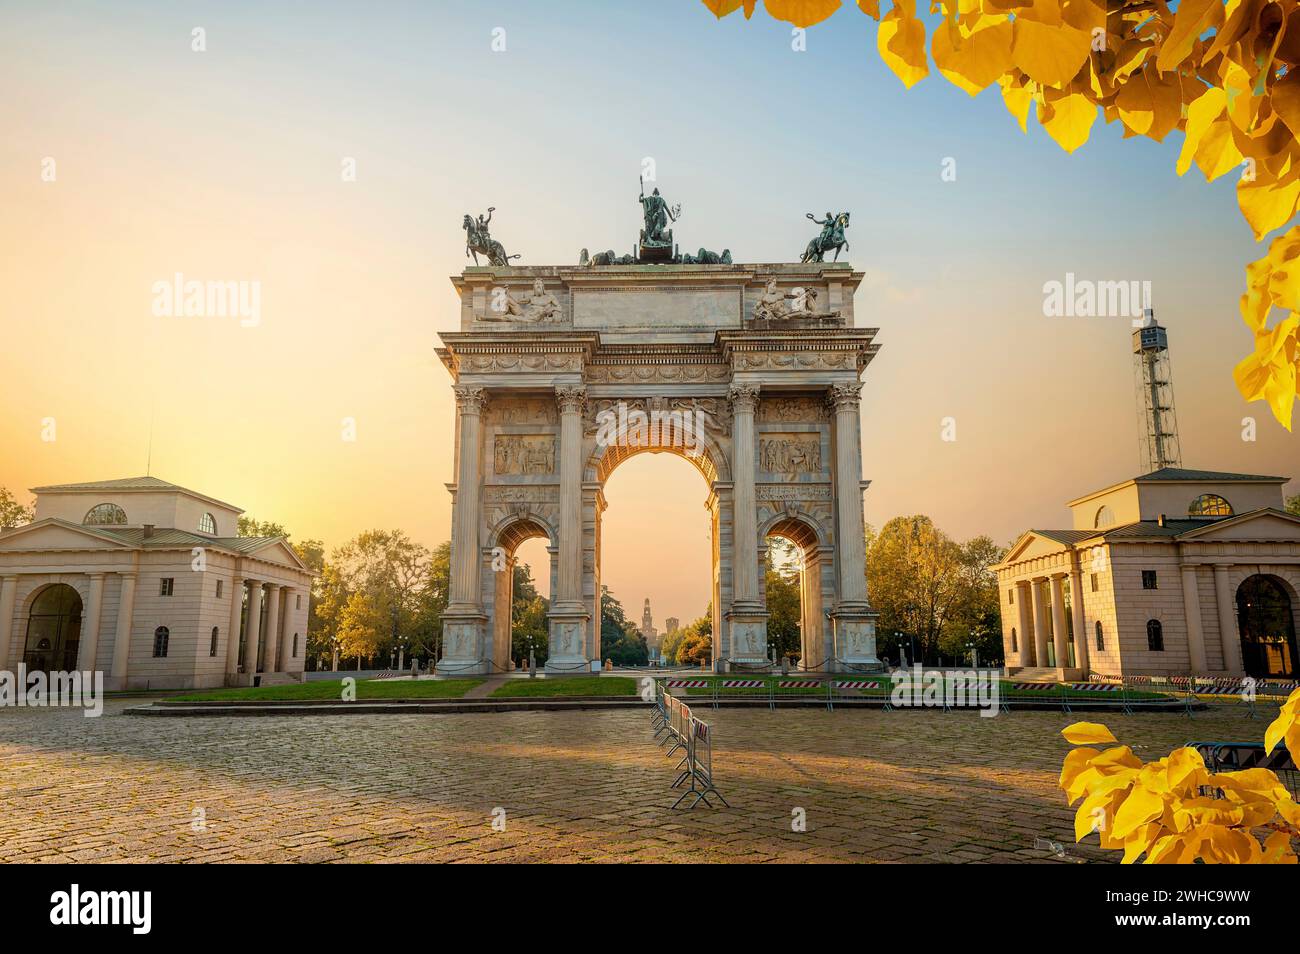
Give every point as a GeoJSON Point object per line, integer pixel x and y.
{"type": "Point", "coordinates": [655, 551]}
{"type": "Point", "coordinates": [53, 630]}
{"type": "Point", "coordinates": [1266, 621]}
{"type": "Point", "coordinates": [698, 448]}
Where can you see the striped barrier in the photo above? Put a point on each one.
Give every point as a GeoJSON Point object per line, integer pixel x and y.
{"type": "Point", "coordinates": [688, 683]}
{"type": "Point", "coordinates": [743, 684]}
{"type": "Point", "coordinates": [855, 684]}
{"type": "Point", "coordinates": [799, 684]}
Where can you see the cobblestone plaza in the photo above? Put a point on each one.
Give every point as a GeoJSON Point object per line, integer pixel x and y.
{"type": "Point", "coordinates": [575, 786]}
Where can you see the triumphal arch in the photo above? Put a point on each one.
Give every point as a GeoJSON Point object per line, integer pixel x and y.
{"type": "Point", "coordinates": [750, 372]}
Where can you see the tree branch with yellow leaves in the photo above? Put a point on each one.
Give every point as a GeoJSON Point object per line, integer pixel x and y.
{"type": "Point", "coordinates": [1222, 73]}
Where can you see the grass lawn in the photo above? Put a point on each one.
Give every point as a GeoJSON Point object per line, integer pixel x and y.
{"type": "Point", "coordinates": [887, 685]}
{"type": "Point", "coordinates": [568, 686]}
{"type": "Point", "coordinates": [330, 689]}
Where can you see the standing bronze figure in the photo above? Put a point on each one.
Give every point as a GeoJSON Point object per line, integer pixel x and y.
{"type": "Point", "coordinates": [831, 237]}
{"type": "Point", "coordinates": [478, 241]}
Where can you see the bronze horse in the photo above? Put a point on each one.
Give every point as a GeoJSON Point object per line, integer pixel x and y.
{"type": "Point", "coordinates": [480, 242]}
{"type": "Point", "coordinates": [831, 238]}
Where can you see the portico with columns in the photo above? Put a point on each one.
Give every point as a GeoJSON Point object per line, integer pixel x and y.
{"type": "Point", "coordinates": [149, 583]}
{"type": "Point", "coordinates": [1177, 572]}
{"type": "Point", "coordinates": [662, 359]}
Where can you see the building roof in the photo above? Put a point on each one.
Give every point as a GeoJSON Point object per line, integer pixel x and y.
{"type": "Point", "coordinates": [166, 537]}
{"type": "Point", "coordinates": [1182, 473]}
{"type": "Point", "coordinates": [1066, 536]}
{"type": "Point", "coordinates": [1166, 475]}
{"type": "Point", "coordinates": [1148, 529]}
{"type": "Point", "coordinates": [130, 485]}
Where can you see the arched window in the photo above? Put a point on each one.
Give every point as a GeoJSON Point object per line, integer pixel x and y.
{"type": "Point", "coordinates": [105, 515]}
{"type": "Point", "coordinates": [1101, 643]}
{"type": "Point", "coordinates": [1105, 518]}
{"type": "Point", "coordinates": [1014, 647]}
{"type": "Point", "coordinates": [1209, 505]}
{"type": "Point", "coordinates": [295, 646]}
{"type": "Point", "coordinates": [1155, 636]}
{"type": "Point", "coordinates": [160, 637]}
{"type": "Point", "coordinates": [208, 524]}
{"type": "Point", "coordinates": [212, 647]}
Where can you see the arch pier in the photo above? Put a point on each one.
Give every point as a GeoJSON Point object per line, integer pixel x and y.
{"type": "Point", "coordinates": [665, 359]}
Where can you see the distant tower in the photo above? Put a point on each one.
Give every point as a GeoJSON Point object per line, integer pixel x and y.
{"type": "Point", "coordinates": [1158, 427]}
{"type": "Point", "coordinates": [648, 626]}
{"type": "Point", "coordinates": [671, 624]}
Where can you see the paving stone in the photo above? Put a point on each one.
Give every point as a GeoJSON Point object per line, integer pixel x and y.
{"type": "Point", "coordinates": [575, 786]}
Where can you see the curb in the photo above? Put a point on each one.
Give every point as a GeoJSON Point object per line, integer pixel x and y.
{"type": "Point", "coordinates": [578, 704]}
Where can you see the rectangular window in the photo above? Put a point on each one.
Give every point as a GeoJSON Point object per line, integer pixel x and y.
{"type": "Point", "coordinates": [297, 601]}
{"type": "Point", "coordinates": [166, 586]}
{"type": "Point", "coordinates": [1011, 597]}
{"type": "Point", "coordinates": [1094, 582]}
{"type": "Point", "coordinates": [1149, 580]}
{"type": "Point", "coordinates": [219, 582]}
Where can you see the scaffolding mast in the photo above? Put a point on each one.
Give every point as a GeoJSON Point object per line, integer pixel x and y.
{"type": "Point", "coordinates": [1158, 426]}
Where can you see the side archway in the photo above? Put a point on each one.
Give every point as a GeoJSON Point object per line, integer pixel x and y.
{"type": "Point", "coordinates": [812, 547]}
{"type": "Point", "coordinates": [1266, 623]}
{"type": "Point", "coordinates": [53, 630]}
{"type": "Point", "coordinates": [504, 540]}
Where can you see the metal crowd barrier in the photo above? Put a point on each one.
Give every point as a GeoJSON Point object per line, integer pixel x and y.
{"type": "Point", "coordinates": [694, 738]}
{"type": "Point", "coordinates": [1236, 756]}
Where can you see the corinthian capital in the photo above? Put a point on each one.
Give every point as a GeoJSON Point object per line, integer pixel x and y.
{"type": "Point", "coordinates": [845, 397]}
{"type": "Point", "coordinates": [469, 399]}
{"type": "Point", "coordinates": [744, 397]}
{"type": "Point", "coordinates": [571, 399]}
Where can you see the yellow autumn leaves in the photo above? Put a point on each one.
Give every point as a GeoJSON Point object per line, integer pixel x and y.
{"type": "Point", "coordinates": [1222, 72]}
{"type": "Point", "coordinates": [1175, 810]}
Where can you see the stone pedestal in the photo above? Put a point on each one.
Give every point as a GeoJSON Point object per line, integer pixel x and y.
{"type": "Point", "coordinates": [568, 627]}
{"type": "Point", "coordinates": [463, 642]}
{"type": "Point", "coordinates": [854, 628]}
{"type": "Point", "coordinates": [748, 637]}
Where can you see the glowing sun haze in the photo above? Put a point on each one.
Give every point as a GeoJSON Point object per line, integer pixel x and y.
{"type": "Point", "coordinates": [225, 165]}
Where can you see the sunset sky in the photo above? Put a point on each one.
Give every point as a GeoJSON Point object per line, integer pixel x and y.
{"type": "Point", "coordinates": [225, 165]}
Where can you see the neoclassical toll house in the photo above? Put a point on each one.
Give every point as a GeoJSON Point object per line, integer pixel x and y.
{"type": "Point", "coordinates": [150, 584]}
{"type": "Point", "coordinates": [1175, 572]}
{"type": "Point", "coordinates": [749, 372]}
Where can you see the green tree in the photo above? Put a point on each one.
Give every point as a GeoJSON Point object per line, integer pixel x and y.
{"type": "Point", "coordinates": [621, 642]}
{"type": "Point", "coordinates": [914, 581]}
{"type": "Point", "coordinates": [1293, 504]}
{"type": "Point", "coordinates": [977, 617]}
{"type": "Point", "coordinates": [529, 628]}
{"type": "Point", "coordinates": [373, 593]}
{"type": "Point", "coordinates": [783, 607]}
{"type": "Point", "coordinates": [12, 513]}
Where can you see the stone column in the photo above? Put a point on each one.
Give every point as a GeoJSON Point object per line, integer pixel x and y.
{"type": "Point", "coordinates": [568, 617]}
{"type": "Point", "coordinates": [464, 542]}
{"type": "Point", "coordinates": [1024, 635]}
{"type": "Point", "coordinates": [1227, 620]}
{"type": "Point", "coordinates": [287, 612]}
{"type": "Point", "coordinates": [463, 622]}
{"type": "Point", "coordinates": [1192, 612]}
{"type": "Point", "coordinates": [122, 636]}
{"type": "Point", "coordinates": [1060, 636]}
{"type": "Point", "coordinates": [8, 597]}
{"type": "Point", "coordinates": [232, 628]}
{"type": "Point", "coordinates": [1040, 623]}
{"type": "Point", "coordinates": [744, 400]}
{"type": "Point", "coordinates": [253, 628]}
{"type": "Point", "coordinates": [272, 626]}
{"type": "Point", "coordinates": [90, 627]}
{"type": "Point", "coordinates": [855, 622]}
{"type": "Point", "coordinates": [747, 616]}
{"type": "Point", "coordinates": [1076, 610]}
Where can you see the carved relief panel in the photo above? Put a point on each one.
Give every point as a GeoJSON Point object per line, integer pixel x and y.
{"type": "Point", "coordinates": [523, 454]}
